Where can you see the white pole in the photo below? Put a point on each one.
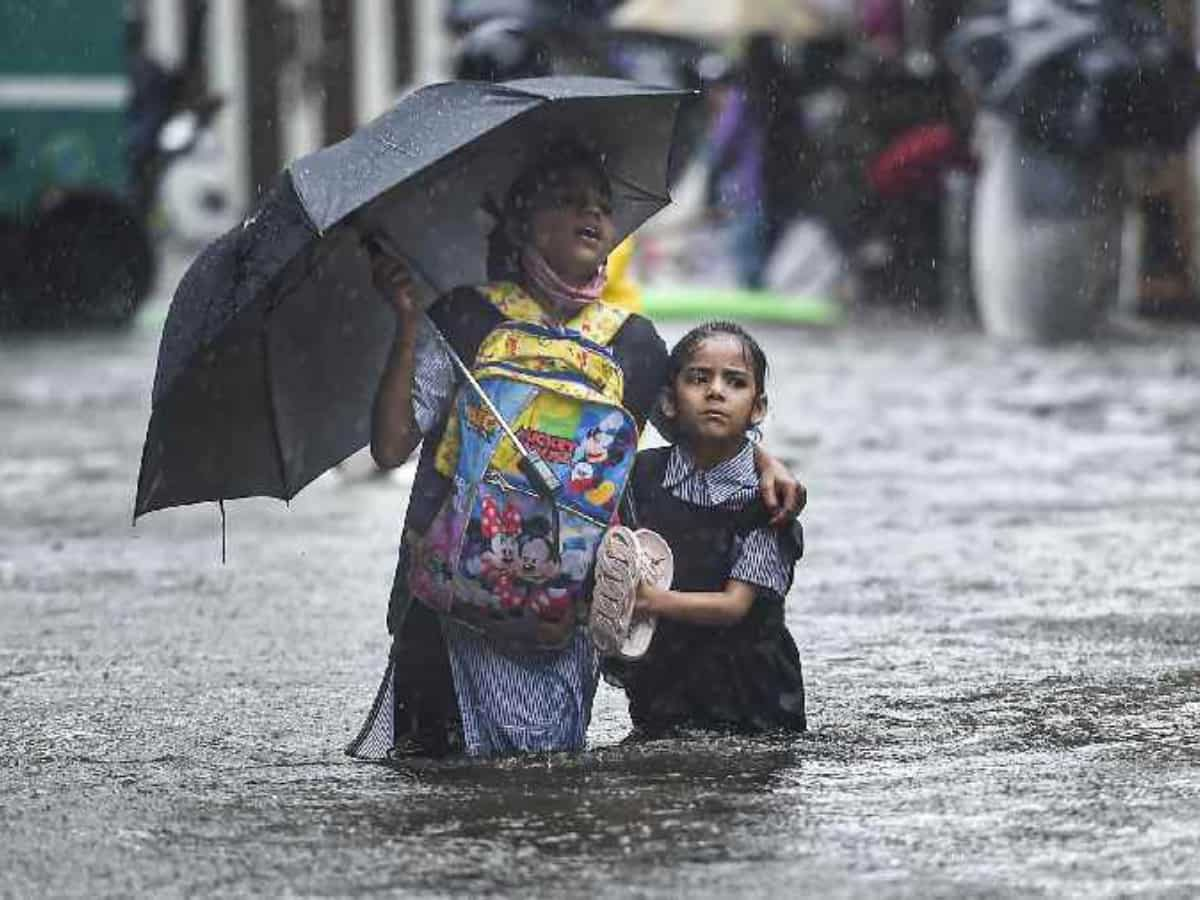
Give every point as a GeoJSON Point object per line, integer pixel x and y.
{"type": "Point", "coordinates": [300, 94]}
{"type": "Point", "coordinates": [432, 50]}
{"type": "Point", "coordinates": [164, 32]}
{"type": "Point", "coordinates": [227, 78]}
{"type": "Point", "coordinates": [374, 58]}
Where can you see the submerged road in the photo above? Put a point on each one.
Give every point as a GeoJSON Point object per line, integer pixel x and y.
{"type": "Point", "coordinates": [999, 616]}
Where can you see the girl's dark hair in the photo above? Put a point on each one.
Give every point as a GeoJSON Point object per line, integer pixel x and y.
{"type": "Point", "coordinates": [685, 349]}
{"type": "Point", "coordinates": [556, 157]}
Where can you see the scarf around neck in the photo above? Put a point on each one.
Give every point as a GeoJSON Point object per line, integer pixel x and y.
{"type": "Point", "coordinates": [566, 299]}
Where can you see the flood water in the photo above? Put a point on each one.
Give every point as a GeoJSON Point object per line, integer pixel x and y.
{"type": "Point", "coordinates": [999, 615]}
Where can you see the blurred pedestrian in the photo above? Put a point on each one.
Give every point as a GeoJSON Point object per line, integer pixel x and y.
{"type": "Point", "coordinates": [772, 97]}
{"type": "Point", "coordinates": [923, 140]}
{"type": "Point", "coordinates": [735, 181]}
{"type": "Point", "coordinates": [883, 26]}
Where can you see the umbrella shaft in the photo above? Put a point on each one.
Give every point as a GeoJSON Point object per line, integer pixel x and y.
{"type": "Point", "coordinates": [540, 475]}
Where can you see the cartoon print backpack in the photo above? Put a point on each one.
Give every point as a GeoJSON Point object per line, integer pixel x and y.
{"type": "Point", "coordinates": [498, 556]}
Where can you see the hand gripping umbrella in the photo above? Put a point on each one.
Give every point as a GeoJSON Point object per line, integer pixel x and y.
{"type": "Point", "coordinates": [275, 339]}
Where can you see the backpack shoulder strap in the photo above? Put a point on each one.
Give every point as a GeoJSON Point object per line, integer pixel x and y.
{"type": "Point", "coordinates": [651, 464]}
{"type": "Point", "coordinates": [465, 317]}
{"type": "Point", "coordinates": [649, 467]}
{"type": "Point", "coordinates": [598, 322]}
{"type": "Point", "coordinates": [511, 301]}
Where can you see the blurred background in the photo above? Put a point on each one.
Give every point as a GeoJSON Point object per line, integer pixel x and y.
{"type": "Point", "coordinates": [997, 606]}
{"type": "Point", "coordinates": [983, 162]}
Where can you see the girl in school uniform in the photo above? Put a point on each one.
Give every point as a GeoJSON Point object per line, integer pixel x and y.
{"type": "Point", "coordinates": [721, 658]}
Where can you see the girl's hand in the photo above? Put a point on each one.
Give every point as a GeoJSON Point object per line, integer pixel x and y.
{"type": "Point", "coordinates": [782, 494]}
{"type": "Point", "coordinates": [646, 595]}
{"type": "Point", "coordinates": [716, 608]}
{"type": "Point", "coordinates": [392, 279]}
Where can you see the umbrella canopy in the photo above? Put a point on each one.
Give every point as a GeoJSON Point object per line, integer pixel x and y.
{"type": "Point", "coordinates": [722, 19]}
{"type": "Point", "coordinates": [275, 338]}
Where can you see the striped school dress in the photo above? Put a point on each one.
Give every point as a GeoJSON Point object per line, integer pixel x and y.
{"type": "Point", "coordinates": [526, 703]}
{"type": "Point", "coordinates": [745, 677]}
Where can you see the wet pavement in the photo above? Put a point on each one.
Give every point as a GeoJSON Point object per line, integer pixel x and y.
{"type": "Point", "coordinates": [999, 615]}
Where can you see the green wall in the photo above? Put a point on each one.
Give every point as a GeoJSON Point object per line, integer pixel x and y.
{"type": "Point", "coordinates": [62, 111]}
{"type": "Point", "coordinates": [62, 37]}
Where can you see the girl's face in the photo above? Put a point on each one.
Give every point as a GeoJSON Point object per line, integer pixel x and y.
{"type": "Point", "coordinates": [571, 225]}
{"type": "Point", "coordinates": [714, 399]}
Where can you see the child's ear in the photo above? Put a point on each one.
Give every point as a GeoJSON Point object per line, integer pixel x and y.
{"type": "Point", "coordinates": [666, 403]}
{"type": "Point", "coordinates": [760, 410]}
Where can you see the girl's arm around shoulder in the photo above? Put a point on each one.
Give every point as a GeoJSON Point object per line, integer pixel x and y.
{"type": "Point", "coordinates": [714, 608]}
{"type": "Point", "coordinates": [782, 493]}
{"type": "Point", "coordinates": [642, 355]}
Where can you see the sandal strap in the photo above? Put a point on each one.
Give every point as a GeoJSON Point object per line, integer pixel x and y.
{"type": "Point", "coordinates": [615, 586]}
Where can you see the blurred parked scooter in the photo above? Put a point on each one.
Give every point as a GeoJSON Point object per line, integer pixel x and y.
{"type": "Point", "coordinates": [77, 245]}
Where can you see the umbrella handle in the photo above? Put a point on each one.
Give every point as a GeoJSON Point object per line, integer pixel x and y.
{"type": "Point", "coordinates": [539, 474]}
{"type": "Point", "coordinates": [380, 242]}
{"type": "Point", "coordinates": [532, 466]}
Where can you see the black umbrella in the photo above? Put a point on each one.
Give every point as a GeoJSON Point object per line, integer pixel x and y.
{"type": "Point", "coordinates": [275, 338]}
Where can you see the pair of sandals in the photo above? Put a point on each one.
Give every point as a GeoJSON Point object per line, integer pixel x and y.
{"type": "Point", "coordinates": [625, 559]}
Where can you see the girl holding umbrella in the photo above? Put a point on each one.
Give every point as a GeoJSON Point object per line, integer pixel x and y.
{"type": "Point", "coordinates": [450, 687]}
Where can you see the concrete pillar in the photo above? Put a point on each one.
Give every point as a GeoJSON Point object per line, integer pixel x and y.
{"type": "Point", "coordinates": [403, 43]}
{"type": "Point", "coordinates": [1183, 20]}
{"type": "Point", "coordinates": [301, 88]}
{"type": "Point", "coordinates": [337, 69]}
{"type": "Point", "coordinates": [262, 94]}
{"type": "Point", "coordinates": [358, 63]}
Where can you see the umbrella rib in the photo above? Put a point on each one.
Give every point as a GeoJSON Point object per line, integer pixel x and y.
{"type": "Point", "coordinates": [304, 210]}
{"type": "Point", "coordinates": [273, 415]}
{"type": "Point", "coordinates": [634, 186]}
